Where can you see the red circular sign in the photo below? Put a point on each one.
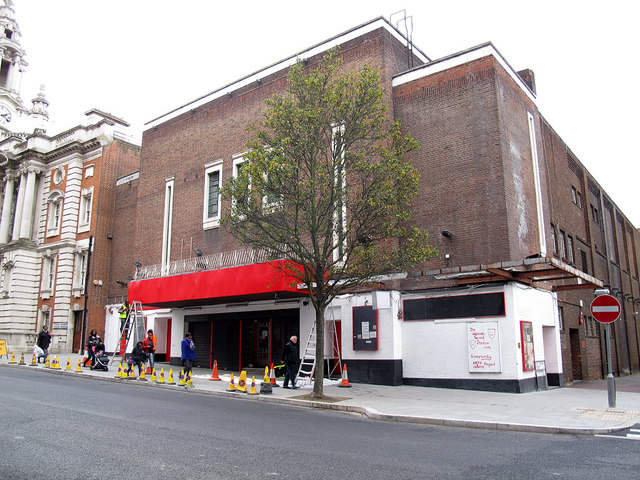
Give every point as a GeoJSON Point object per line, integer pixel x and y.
{"type": "Point", "coordinates": [605, 308]}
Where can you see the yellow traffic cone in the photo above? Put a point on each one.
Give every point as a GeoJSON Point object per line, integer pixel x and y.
{"type": "Point", "coordinates": [142, 374]}
{"type": "Point", "coordinates": [119, 374]}
{"type": "Point", "coordinates": [132, 372]}
{"type": "Point", "coordinates": [33, 361]}
{"type": "Point", "coordinates": [242, 382]}
{"type": "Point", "coordinates": [79, 367]}
{"type": "Point", "coordinates": [170, 380]}
{"type": "Point", "coordinates": [68, 367]}
{"type": "Point", "coordinates": [253, 390]}
{"type": "Point", "coordinates": [161, 377]}
{"type": "Point", "coordinates": [266, 378]}
{"type": "Point", "coordinates": [46, 362]}
{"type": "Point", "coordinates": [232, 387]}
{"type": "Point", "coordinates": [189, 381]}
{"type": "Point", "coordinates": [22, 360]}
{"type": "Point", "coordinates": [13, 358]}
{"type": "Point", "coordinates": [182, 383]}
{"type": "Point", "coordinates": [57, 362]}
{"type": "Point", "coordinates": [153, 374]}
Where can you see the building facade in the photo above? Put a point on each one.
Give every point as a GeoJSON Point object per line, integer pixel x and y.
{"type": "Point", "coordinates": [505, 304]}
{"type": "Point", "coordinates": [56, 222]}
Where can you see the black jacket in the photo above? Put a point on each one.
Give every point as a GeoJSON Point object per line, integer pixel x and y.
{"type": "Point", "coordinates": [290, 352]}
{"type": "Point", "coordinates": [138, 354]}
{"type": "Point", "coordinates": [44, 339]}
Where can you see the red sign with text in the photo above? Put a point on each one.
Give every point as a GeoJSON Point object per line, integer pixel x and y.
{"type": "Point", "coordinates": [605, 308]}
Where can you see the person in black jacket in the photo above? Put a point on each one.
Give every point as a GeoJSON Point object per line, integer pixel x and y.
{"type": "Point", "coordinates": [44, 340]}
{"type": "Point", "coordinates": [290, 354]}
{"type": "Point", "coordinates": [138, 356]}
{"type": "Point", "coordinates": [91, 347]}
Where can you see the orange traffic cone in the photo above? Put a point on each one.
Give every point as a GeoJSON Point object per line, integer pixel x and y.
{"type": "Point", "coordinates": [214, 374]}
{"type": "Point", "coordinates": [148, 369]}
{"type": "Point", "coordinates": [232, 386]}
{"type": "Point", "coordinates": [345, 378]}
{"type": "Point", "coordinates": [253, 390]}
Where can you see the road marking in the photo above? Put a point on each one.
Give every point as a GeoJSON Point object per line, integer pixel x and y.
{"type": "Point", "coordinates": [632, 433]}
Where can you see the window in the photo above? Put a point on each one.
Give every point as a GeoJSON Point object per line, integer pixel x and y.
{"type": "Point", "coordinates": [585, 263]}
{"type": "Point", "coordinates": [576, 197]}
{"type": "Point", "coordinates": [340, 219]}
{"type": "Point", "coordinates": [238, 165]}
{"type": "Point", "coordinates": [166, 227]}
{"type": "Point", "coordinates": [595, 215]}
{"type": "Point", "coordinates": [560, 318]}
{"type": "Point", "coordinates": [84, 216]}
{"type": "Point", "coordinates": [554, 240]}
{"type": "Point", "coordinates": [7, 277]}
{"type": "Point", "coordinates": [88, 171]}
{"type": "Point", "coordinates": [562, 248]}
{"type": "Point", "coordinates": [54, 220]}
{"type": "Point", "coordinates": [570, 258]}
{"type": "Point", "coordinates": [80, 272]}
{"type": "Point", "coordinates": [44, 316]}
{"type": "Point", "coordinates": [48, 275]}
{"type": "Point", "coordinates": [212, 197]}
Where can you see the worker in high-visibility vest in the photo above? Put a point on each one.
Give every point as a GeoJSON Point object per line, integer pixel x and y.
{"type": "Point", "coordinates": [123, 310]}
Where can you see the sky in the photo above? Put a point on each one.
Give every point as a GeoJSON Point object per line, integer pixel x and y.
{"type": "Point", "coordinates": [139, 59]}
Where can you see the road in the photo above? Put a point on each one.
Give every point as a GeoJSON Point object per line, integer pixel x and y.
{"type": "Point", "coordinates": [63, 427]}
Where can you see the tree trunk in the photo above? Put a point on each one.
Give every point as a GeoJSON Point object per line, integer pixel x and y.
{"type": "Point", "coordinates": [318, 383]}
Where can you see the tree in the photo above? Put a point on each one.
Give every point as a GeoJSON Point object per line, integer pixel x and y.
{"type": "Point", "coordinates": [324, 186]}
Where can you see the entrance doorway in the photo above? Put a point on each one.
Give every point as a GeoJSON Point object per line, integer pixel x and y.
{"type": "Point", "coordinates": [242, 340]}
{"type": "Point", "coordinates": [77, 330]}
{"type": "Point", "coordinates": [576, 354]}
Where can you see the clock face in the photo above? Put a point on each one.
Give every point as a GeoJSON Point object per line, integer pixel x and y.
{"type": "Point", "coordinates": [5, 114]}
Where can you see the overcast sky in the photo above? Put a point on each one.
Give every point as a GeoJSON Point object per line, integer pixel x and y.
{"type": "Point", "coordinates": [138, 59]}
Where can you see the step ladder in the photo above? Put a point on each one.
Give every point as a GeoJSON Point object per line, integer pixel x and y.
{"type": "Point", "coordinates": [133, 327]}
{"type": "Point", "coordinates": [308, 360]}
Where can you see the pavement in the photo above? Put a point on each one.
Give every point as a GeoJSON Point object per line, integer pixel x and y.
{"type": "Point", "coordinates": [578, 409]}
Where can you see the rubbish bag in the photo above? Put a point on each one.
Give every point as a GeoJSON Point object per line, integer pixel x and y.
{"type": "Point", "coordinates": [37, 351]}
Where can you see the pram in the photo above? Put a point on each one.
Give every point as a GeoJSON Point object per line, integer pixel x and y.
{"type": "Point", "coordinates": [100, 360]}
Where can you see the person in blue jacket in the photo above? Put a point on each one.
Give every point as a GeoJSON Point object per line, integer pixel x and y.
{"type": "Point", "coordinates": [188, 352]}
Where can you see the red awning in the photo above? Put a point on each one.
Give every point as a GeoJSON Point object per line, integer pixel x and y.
{"type": "Point", "coordinates": [247, 282]}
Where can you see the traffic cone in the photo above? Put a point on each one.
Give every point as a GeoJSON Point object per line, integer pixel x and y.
{"type": "Point", "coordinates": [189, 381]}
{"type": "Point", "coordinates": [33, 361]}
{"type": "Point", "coordinates": [266, 378]}
{"type": "Point", "coordinates": [56, 363]}
{"type": "Point", "coordinates": [214, 373]}
{"type": "Point", "coordinates": [142, 376]}
{"type": "Point", "coordinates": [46, 362]}
{"type": "Point", "coordinates": [119, 374]}
{"type": "Point", "coordinates": [161, 377]}
{"type": "Point", "coordinates": [153, 374]}
{"type": "Point", "coordinates": [182, 383]}
{"type": "Point", "coordinates": [345, 378]}
{"type": "Point", "coordinates": [253, 390]}
{"type": "Point", "coordinates": [148, 369]}
{"type": "Point", "coordinates": [132, 372]}
{"type": "Point", "coordinates": [242, 382]}
{"type": "Point", "coordinates": [272, 376]}
{"type": "Point", "coordinates": [232, 387]}
{"type": "Point", "coordinates": [22, 360]}
{"type": "Point", "coordinates": [13, 358]}
{"type": "Point", "coordinates": [79, 367]}
{"type": "Point", "coordinates": [68, 367]}
{"type": "Point", "coordinates": [170, 380]}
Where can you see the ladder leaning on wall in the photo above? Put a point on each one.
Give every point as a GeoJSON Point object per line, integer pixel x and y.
{"type": "Point", "coordinates": [133, 325]}
{"type": "Point", "coordinates": [332, 357]}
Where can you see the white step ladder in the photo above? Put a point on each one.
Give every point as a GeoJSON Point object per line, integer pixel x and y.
{"type": "Point", "coordinates": [308, 360]}
{"type": "Point", "coordinates": [132, 327]}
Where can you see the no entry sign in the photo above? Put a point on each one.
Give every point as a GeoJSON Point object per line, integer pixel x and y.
{"type": "Point", "coordinates": [605, 309]}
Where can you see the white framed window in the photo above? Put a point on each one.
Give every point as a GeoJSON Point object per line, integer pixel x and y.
{"type": "Point", "coordinates": [340, 217]}
{"type": "Point", "coordinates": [80, 272]}
{"type": "Point", "coordinates": [45, 315]}
{"type": "Point", "coordinates": [54, 216]}
{"type": "Point", "coordinates": [86, 206]}
{"type": "Point", "coordinates": [7, 278]}
{"type": "Point", "coordinates": [48, 274]}
{"type": "Point", "coordinates": [168, 220]}
{"type": "Point", "coordinates": [88, 171]}
{"type": "Point", "coordinates": [212, 196]}
{"type": "Point", "coordinates": [238, 164]}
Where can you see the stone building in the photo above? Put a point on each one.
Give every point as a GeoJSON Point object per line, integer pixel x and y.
{"type": "Point", "coordinates": [57, 200]}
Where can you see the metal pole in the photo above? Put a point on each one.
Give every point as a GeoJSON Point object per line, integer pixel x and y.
{"type": "Point", "coordinates": [611, 381]}
{"type": "Point", "coordinates": [86, 296]}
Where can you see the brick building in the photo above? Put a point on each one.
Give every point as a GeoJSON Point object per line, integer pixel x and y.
{"type": "Point", "coordinates": [524, 234]}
